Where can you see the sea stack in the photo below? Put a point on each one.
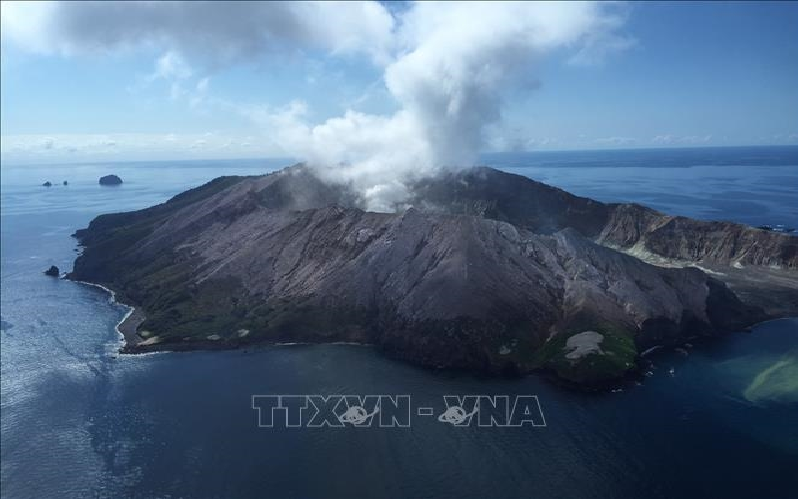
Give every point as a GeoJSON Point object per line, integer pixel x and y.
{"type": "Point", "coordinates": [47, 184]}
{"type": "Point", "coordinates": [110, 180]}
{"type": "Point", "coordinates": [53, 271]}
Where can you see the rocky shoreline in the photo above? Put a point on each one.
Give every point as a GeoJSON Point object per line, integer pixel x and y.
{"type": "Point", "coordinates": [126, 327]}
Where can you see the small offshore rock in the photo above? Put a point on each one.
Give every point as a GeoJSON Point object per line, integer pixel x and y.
{"type": "Point", "coordinates": [47, 184]}
{"type": "Point", "coordinates": [110, 180]}
{"type": "Point", "coordinates": [52, 271]}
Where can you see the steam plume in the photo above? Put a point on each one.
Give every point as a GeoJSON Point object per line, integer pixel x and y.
{"type": "Point", "coordinates": [454, 62]}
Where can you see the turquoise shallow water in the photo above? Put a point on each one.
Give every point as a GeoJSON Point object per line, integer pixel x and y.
{"type": "Point", "coordinates": [80, 421]}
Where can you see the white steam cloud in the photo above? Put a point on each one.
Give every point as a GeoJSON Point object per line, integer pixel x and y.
{"type": "Point", "coordinates": [455, 62]}
{"type": "Point", "coordinates": [447, 65]}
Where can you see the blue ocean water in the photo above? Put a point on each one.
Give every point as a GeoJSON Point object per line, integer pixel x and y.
{"type": "Point", "coordinates": [77, 420]}
{"type": "Point", "coordinates": [752, 185]}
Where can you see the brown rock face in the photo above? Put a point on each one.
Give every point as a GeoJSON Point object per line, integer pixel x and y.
{"type": "Point", "coordinates": [681, 238]}
{"type": "Point", "coordinates": [487, 271]}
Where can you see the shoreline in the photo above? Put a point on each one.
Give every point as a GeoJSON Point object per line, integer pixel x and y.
{"type": "Point", "coordinates": [126, 327]}
{"type": "Point", "coordinates": [131, 344]}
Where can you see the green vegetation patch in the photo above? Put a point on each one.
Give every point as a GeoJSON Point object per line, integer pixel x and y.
{"type": "Point", "coordinates": [615, 357]}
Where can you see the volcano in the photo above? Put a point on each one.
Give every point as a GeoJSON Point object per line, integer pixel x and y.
{"type": "Point", "coordinates": [479, 269]}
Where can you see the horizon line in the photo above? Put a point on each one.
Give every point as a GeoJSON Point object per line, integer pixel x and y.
{"type": "Point", "coordinates": [295, 161]}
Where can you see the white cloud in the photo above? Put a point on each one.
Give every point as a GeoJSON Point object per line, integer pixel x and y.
{"type": "Point", "coordinates": [24, 149]}
{"type": "Point", "coordinates": [171, 66]}
{"type": "Point", "coordinates": [217, 33]}
{"type": "Point", "coordinates": [670, 139]}
{"type": "Point", "coordinates": [663, 139]}
{"type": "Point", "coordinates": [202, 85]}
{"type": "Point", "coordinates": [615, 141]}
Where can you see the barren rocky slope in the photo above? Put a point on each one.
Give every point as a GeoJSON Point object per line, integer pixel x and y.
{"type": "Point", "coordinates": [487, 271]}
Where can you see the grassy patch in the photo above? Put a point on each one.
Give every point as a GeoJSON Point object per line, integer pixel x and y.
{"type": "Point", "coordinates": [617, 357]}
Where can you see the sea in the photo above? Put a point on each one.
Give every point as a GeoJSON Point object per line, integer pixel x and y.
{"type": "Point", "coordinates": [78, 420]}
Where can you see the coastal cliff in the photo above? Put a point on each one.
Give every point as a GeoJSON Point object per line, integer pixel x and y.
{"type": "Point", "coordinates": [487, 271]}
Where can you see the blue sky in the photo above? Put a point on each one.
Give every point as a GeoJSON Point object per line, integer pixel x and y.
{"type": "Point", "coordinates": [662, 75]}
